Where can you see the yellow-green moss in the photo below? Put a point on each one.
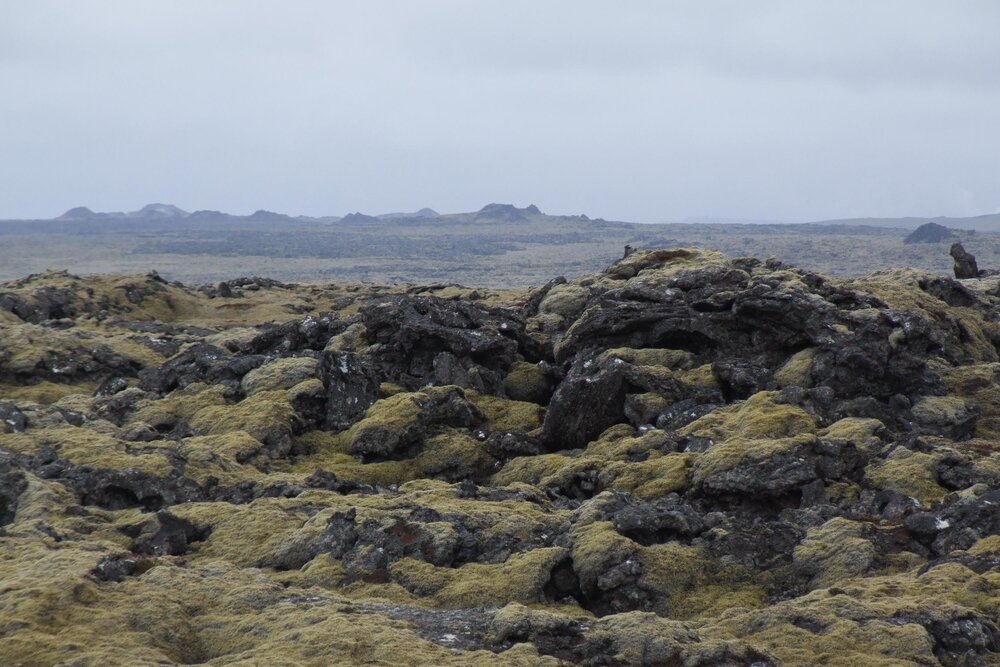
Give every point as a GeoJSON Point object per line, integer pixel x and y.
{"type": "Point", "coordinates": [527, 382]}
{"type": "Point", "coordinates": [520, 578]}
{"type": "Point", "coordinates": [507, 415]}
{"type": "Point", "coordinates": [45, 392]}
{"type": "Point", "coordinates": [689, 584]}
{"type": "Point", "coordinates": [266, 416]}
{"type": "Point", "coordinates": [736, 451]}
{"type": "Point", "coordinates": [859, 431]}
{"type": "Point", "coordinates": [390, 416]}
{"type": "Point", "coordinates": [979, 386]}
{"type": "Point", "coordinates": [180, 405]}
{"type": "Point", "coordinates": [351, 339]}
{"type": "Point", "coordinates": [82, 446]}
{"type": "Point", "coordinates": [566, 300]}
{"type": "Point", "coordinates": [279, 374]}
{"type": "Point", "coordinates": [757, 417]}
{"type": "Point", "coordinates": [673, 359]}
{"type": "Point", "coordinates": [939, 409]}
{"type": "Point", "coordinates": [909, 473]}
{"type": "Point", "coordinates": [834, 552]}
{"type": "Point", "coordinates": [220, 456]}
{"type": "Point", "coordinates": [652, 478]}
{"type": "Point", "coordinates": [797, 371]}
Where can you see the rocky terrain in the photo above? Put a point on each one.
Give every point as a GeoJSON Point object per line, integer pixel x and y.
{"type": "Point", "coordinates": [681, 460]}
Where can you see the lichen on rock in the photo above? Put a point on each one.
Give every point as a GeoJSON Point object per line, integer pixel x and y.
{"type": "Point", "coordinates": [683, 459]}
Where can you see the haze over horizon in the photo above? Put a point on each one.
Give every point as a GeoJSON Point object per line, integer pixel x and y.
{"type": "Point", "coordinates": [649, 112]}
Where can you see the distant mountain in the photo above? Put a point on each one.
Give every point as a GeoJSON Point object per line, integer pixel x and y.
{"type": "Point", "coordinates": [507, 212]}
{"type": "Point", "coordinates": [78, 213]}
{"type": "Point", "coordinates": [930, 232]}
{"type": "Point", "coordinates": [982, 223]}
{"type": "Point", "coordinates": [168, 212]}
{"type": "Point", "coordinates": [352, 218]}
{"type": "Point", "coordinates": [159, 211]}
{"type": "Point", "coordinates": [424, 213]}
{"type": "Point", "coordinates": [269, 216]}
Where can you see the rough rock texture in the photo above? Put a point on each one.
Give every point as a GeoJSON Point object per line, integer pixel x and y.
{"type": "Point", "coordinates": [929, 232]}
{"type": "Point", "coordinates": [682, 460]}
{"type": "Point", "coordinates": [965, 262]}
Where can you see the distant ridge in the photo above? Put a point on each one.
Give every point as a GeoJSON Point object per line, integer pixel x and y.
{"type": "Point", "coordinates": [501, 212]}
{"type": "Point", "coordinates": [984, 223]}
{"type": "Point", "coordinates": [422, 214]}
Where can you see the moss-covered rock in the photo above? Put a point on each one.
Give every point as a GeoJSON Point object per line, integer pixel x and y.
{"type": "Point", "coordinates": [683, 459]}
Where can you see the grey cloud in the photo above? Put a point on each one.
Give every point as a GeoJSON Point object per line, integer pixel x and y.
{"type": "Point", "coordinates": [641, 110]}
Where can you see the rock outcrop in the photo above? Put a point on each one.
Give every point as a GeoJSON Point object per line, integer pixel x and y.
{"type": "Point", "coordinates": [683, 459]}
{"type": "Point", "coordinates": [929, 232]}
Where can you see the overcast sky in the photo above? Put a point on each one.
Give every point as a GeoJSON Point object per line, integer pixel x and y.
{"type": "Point", "coordinates": [649, 111]}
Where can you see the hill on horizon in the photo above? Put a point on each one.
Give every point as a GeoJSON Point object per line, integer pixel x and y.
{"type": "Point", "coordinates": [497, 245]}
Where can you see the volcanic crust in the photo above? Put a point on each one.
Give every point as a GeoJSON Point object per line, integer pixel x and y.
{"type": "Point", "coordinates": [682, 460]}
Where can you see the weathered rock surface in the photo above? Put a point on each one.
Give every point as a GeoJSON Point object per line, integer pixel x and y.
{"type": "Point", "coordinates": [683, 460]}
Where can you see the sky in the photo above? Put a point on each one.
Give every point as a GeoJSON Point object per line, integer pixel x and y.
{"type": "Point", "coordinates": [641, 110]}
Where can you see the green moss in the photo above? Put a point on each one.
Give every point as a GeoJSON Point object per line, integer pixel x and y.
{"type": "Point", "coordinates": [700, 376]}
{"type": "Point", "coordinates": [242, 534]}
{"type": "Point", "coordinates": [452, 455]}
{"type": "Point", "coordinates": [527, 382]}
{"type": "Point", "coordinates": [521, 579]}
{"type": "Point", "coordinates": [685, 582]}
{"type": "Point", "coordinates": [986, 545]}
{"type": "Point", "coordinates": [689, 584]}
{"type": "Point", "coordinates": [797, 371]}
{"type": "Point", "coordinates": [566, 300]}
{"type": "Point", "coordinates": [220, 456]}
{"type": "Point", "coordinates": [648, 406]}
{"type": "Point", "coordinates": [672, 359]}
{"type": "Point", "coordinates": [196, 614]}
{"type": "Point", "coordinates": [538, 470]}
{"type": "Point", "coordinates": [978, 386]}
{"type": "Point", "coordinates": [901, 290]}
{"type": "Point", "coordinates": [654, 477]}
{"type": "Point", "coordinates": [45, 392]}
{"type": "Point", "coordinates": [757, 417]}
{"type": "Point", "coordinates": [836, 551]}
{"type": "Point", "coordinates": [267, 416]}
{"type": "Point", "coordinates": [85, 447]}
{"type": "Point", "coordinates": [279, 374]}
{"type": "Point", "coordinates": [939, 410]}
{"type": "Point", "coordinates": [394, 420]}
{"type": "Point", "coordinates": [909, 473]}
{"type": "Point", "coordinates": [507, 415]}
{"type": "Point", "coordinates": [351, 339]}
{"type": "Point", "coordinates": [740, 451]}
{"type": "Point", "coordinates": [863, 433]}
{"type": "Point", "coordinates": [180, 405]}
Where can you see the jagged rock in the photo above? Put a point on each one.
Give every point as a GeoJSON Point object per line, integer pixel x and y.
{"type": "Point", "coordinates": [11, 419]}
{"type": "Point", "coordinates": [421, 338]}
{"type": "Point", "coordinates": [402, 421]}
{"type": "Point", "coordinates": [200, 363]}
{"type": "Point", "coordinates": [163, 535]}
{"type": "Point", "coordinates": [309, 333]}
{"type": "Point", "coordinates": [965, 262]}
{"type": "Point", "coordinates": [589, 400]}
{"type": "Point", "coordinates": [351, 388]}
